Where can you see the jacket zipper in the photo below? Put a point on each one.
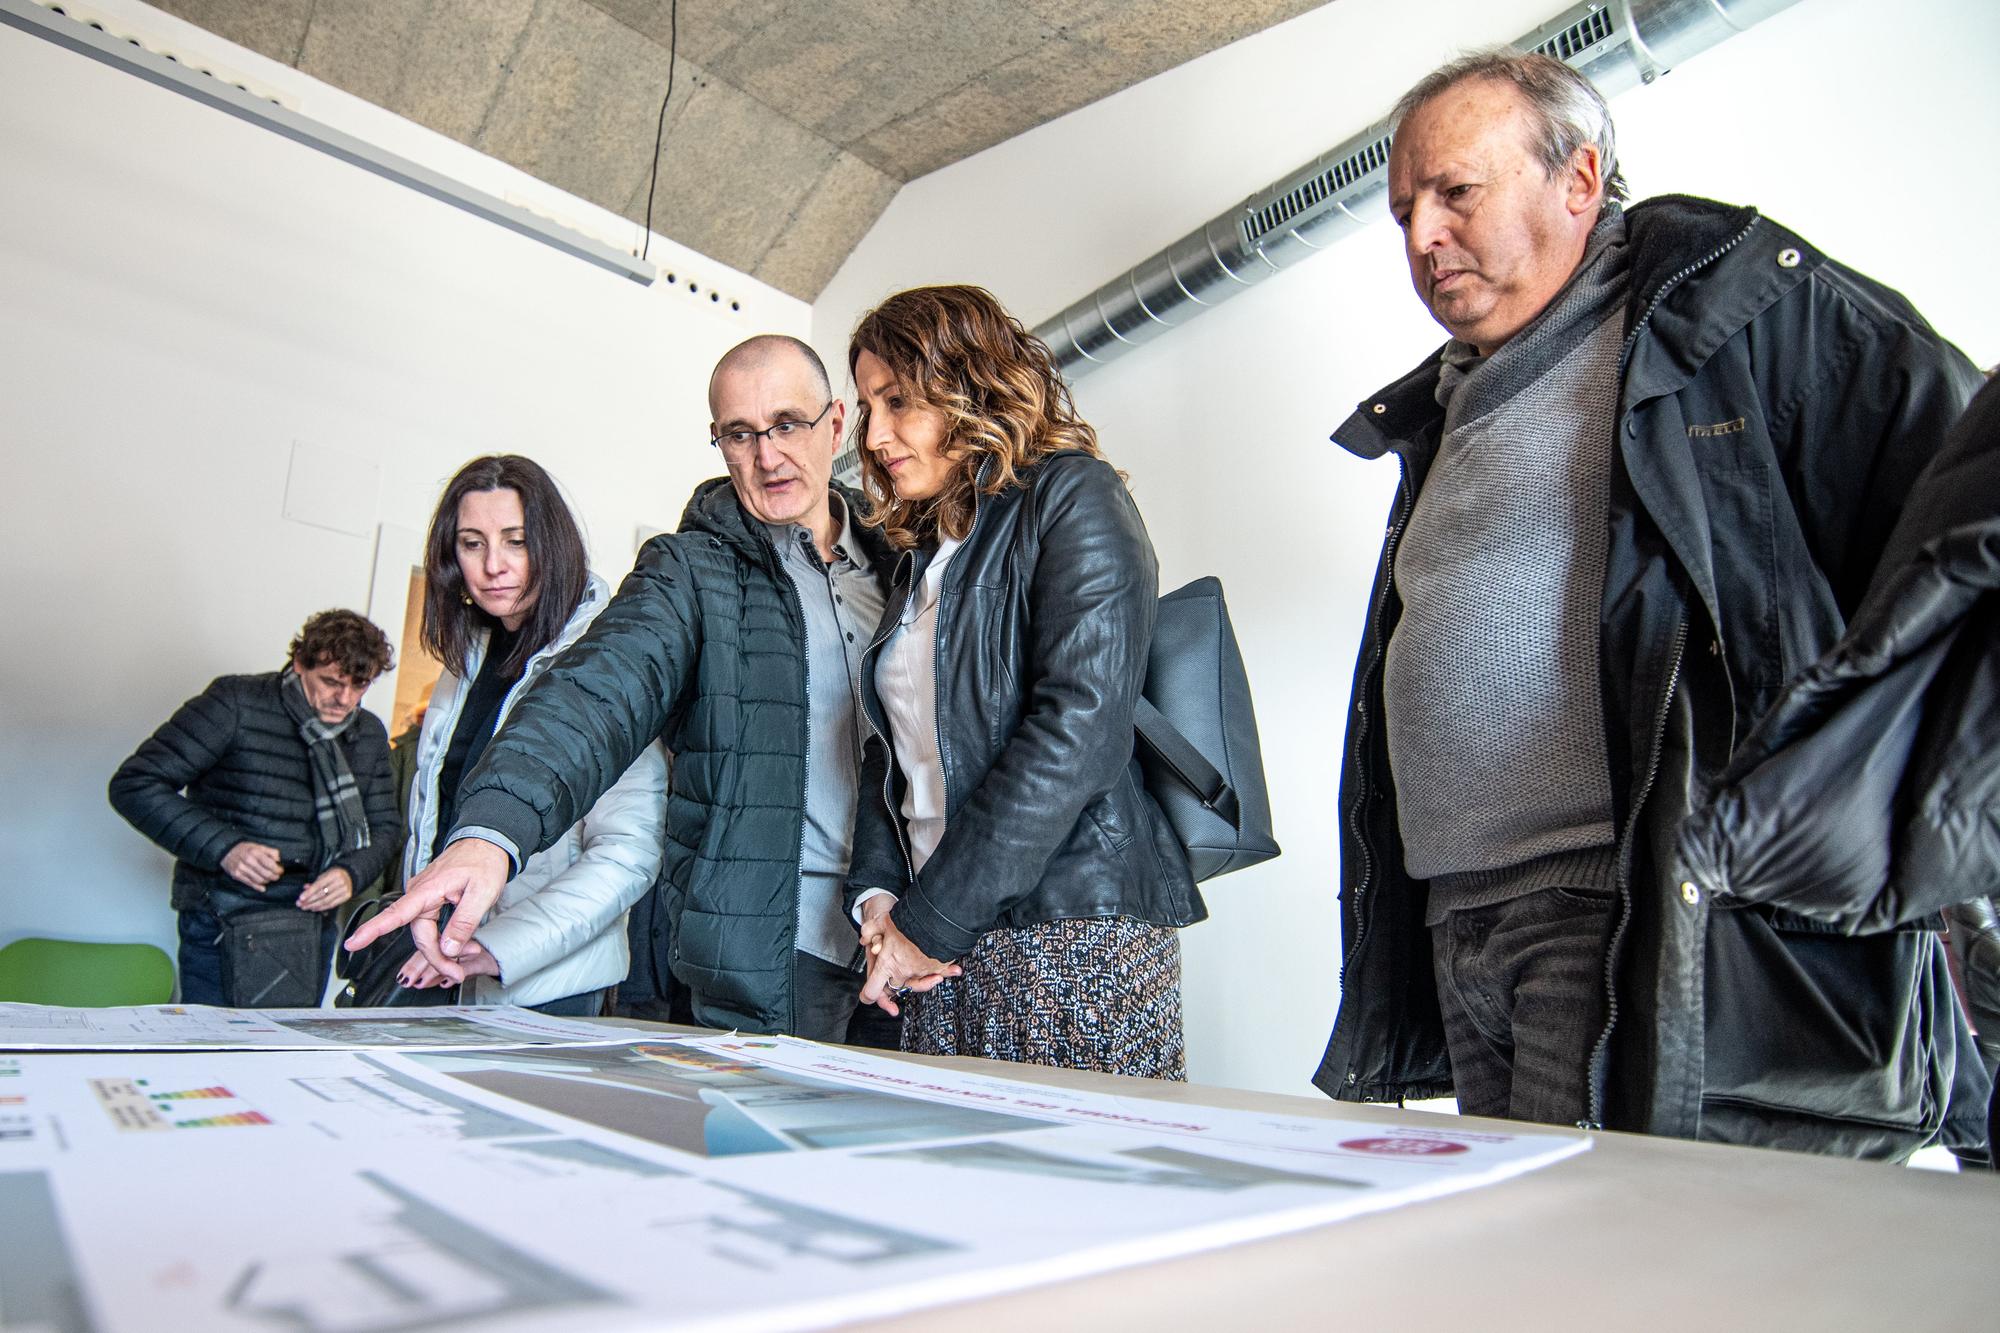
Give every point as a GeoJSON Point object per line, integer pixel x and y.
{"type": "Point", "coordinates": [798, 602]}
{"type": "Point", "coordinates": [1598, 1050]}
{"type": "Point", "coordinates": [1645, 316]}
{"type": "Point", "coordinates": [1625, 361]}
{"type": "Point", "coordinates": [1405, 503]}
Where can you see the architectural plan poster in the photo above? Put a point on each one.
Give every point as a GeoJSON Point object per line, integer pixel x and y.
{"type": "Point", "coordinates": [194, 1027]}
{"type": "Point", "coordinates": [701, 1183]}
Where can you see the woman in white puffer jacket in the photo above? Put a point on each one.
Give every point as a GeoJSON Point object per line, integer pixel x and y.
{"type": "Point", "coordinates": [506, 591]}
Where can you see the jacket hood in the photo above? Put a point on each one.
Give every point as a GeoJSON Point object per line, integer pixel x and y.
{"type": "Point", "coordinates": [715, 510]}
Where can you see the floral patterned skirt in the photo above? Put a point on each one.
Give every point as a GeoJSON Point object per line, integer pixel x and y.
{"type": "Point", "coordinates": [1098, 993]}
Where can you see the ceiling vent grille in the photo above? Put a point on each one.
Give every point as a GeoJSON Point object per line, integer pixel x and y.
{"type": "Point", "coordinates": [1591, 30]}
{"type": "Point", "coordinates": [1369, 160]}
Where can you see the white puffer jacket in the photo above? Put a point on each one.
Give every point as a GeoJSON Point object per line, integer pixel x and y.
{"type": "Point", "coordinates": [559, 927]}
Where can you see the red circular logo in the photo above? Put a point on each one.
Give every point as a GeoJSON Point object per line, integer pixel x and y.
{"type": "Point", "coordinates": [1405, 1147]}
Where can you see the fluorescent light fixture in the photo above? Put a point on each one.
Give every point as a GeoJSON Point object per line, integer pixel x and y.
{"type": "Point", "coordinates": [71, 35]}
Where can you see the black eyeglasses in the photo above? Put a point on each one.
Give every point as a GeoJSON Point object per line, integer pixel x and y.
{"type": "Point", "coordinates": [741, 443]}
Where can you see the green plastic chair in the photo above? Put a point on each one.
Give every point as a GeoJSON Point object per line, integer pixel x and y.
{"type": "Point", "coordinates": [85, 975]}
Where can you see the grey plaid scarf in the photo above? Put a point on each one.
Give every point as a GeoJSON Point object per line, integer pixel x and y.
{"type": "Point", "coordinates": [343, 823]}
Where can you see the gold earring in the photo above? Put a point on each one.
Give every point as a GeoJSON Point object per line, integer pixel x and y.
{"type": "Point", "coordinates": [465, 597]}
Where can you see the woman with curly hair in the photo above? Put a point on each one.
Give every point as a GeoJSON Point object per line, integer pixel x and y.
{"type": "Point", "coordinates": [1015, 885]}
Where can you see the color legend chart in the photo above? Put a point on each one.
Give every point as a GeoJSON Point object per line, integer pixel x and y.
{"type": "Point", "coordinates": [134, 1106]}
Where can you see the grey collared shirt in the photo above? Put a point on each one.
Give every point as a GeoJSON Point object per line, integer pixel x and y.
{"type": "Point", "coordinates": [842, 601]}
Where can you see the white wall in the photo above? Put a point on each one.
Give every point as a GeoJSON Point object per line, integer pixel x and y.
{"type": "Point", "coordinates": [184, 296]}
{"type": "Point", "coordinates": [1865, 125]}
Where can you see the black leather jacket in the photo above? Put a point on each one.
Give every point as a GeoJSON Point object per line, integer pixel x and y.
{"type": "Point", "coordinates": [1045, 618]}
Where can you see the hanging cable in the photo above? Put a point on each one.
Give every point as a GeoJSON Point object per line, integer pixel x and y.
{"type": "Point", "coordinates": [660, 132]}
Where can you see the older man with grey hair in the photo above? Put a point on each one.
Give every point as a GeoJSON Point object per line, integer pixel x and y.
{"type": "Point", "coordinates": [1649, 478]}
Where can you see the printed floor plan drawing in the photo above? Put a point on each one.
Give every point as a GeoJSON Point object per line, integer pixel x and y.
{"type": "Point", "coordinates": [666, 1183]}
{"type": "Point", "coordinates": [427, 1269]}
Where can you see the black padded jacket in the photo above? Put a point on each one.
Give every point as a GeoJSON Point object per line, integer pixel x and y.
{"type": "Point", "coordinates": [1045, 618]}
{"type": "Point", "coordinates": [703, 647]}
{"type": "Point", "coordinates": [229, 767]}
{"type": "Point", "coordinates": [1775, 413]}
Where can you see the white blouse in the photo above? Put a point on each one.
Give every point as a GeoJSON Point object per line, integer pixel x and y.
{"type": "Point", "coordinates": [906, 680]}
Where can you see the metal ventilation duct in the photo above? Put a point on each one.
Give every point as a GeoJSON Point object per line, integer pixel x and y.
{"type": "Point", "coordinates": [1618, 45]}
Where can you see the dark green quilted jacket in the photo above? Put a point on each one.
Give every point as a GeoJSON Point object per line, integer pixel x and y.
{"type": "Point", "coordinates": [703, 647]}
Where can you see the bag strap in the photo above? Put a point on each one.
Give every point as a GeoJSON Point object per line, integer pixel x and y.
{"type": "Point", "coordinates": [1188, 764]}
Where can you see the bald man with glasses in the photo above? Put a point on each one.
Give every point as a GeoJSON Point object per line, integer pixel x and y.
{"type": "Point", "coordinates": [735, 641]}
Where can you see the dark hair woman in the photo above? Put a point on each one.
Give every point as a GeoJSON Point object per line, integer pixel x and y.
{"type": "Point", "coordinates": [1016, 886]}
{"type": "Point", "coordinates": [506, 589]}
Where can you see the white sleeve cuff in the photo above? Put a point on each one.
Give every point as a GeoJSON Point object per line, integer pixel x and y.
{"type": "Point", "coordinates": [866, 894]}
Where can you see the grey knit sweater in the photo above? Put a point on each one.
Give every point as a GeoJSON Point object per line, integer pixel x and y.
{"type": "Point", "coordinates": [1495, 712]}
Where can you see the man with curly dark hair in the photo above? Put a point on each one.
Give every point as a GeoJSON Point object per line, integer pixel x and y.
{"type": "Point", "coordinates": [269, 789]}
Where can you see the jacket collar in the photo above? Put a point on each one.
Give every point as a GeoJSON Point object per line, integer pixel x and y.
{"type": "Point", "coordinates": [714, 509]}
{"type": "Point", "coordinates": [1397, 415]}
{"type": "Point", "coordinates": [1671, 239]}
{"type": "Point", "coordinates": [1668, 239]}
{"type": "Point", "coordinates": [596, 593]}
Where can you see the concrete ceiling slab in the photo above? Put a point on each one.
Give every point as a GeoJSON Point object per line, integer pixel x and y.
{"type": "Point", "coordinates": [732, 175]}
{"type": "Point", "coordinates": [1153, 36]}
{"type": "Point", "coordinates": [276, 29]}
{"type": "Point", "coordinates": [438, 62]}
{"type": "Point", "coordinates": [826, 225]}
{"type": "Point", "coordinates": [793, 121]}
{"type": "Point", "coordinates": [1002, 102]}
{"type": "Point", "coordinates": [707, 30]}
{"type": "Point", "coordinates": [846, 67]}
{"type": "Point", "coordinates": [578, 103]}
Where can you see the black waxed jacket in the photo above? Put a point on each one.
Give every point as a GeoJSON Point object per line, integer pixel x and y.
{"type": "Point", "coordinates": [1869, 796]}
{"type": "Point", "coordinates": [703, 647]}
{"type": "Point", "coordinates": [229, 766]}
{"type": "Point", "coordinates": [1775, 413]}
{"type": "Point", "coordinates": [1045, 621]}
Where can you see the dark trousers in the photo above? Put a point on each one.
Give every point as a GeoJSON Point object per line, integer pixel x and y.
{"type": "Point", "coordinates": [826, 998]}
{"type": "Point", "coordinates": [200, 956]}
{"type": "Point", "coordinates": [1521, 984]}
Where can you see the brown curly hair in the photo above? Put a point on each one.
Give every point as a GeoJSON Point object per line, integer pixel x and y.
{"type": "Point", "coordinates": [957, 350]}
{"type": "Point", "coordinates": [347, 639]}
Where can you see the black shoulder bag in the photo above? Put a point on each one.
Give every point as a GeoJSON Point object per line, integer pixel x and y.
{"type": "Point", "coordinates": [373, 973]}
{"type": "Point", "coordinates": [273, 953]}
{"type": "Point", "coordinates": [1198, 735]}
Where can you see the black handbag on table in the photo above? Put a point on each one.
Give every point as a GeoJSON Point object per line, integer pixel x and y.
{"type": "Point", "coordinates": [1197, 735]}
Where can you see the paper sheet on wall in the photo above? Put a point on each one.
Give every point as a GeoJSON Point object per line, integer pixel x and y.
{"type": "Point", "coordinates": [713, 1182]}
{"type": "Point", "coordinates": [196, 1027]}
